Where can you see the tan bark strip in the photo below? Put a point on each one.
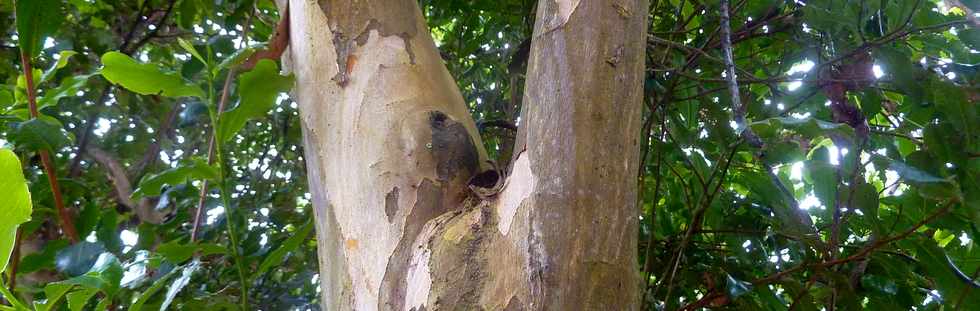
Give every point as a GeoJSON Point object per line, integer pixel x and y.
{"type": "Point", "coordinates": [583, 102]}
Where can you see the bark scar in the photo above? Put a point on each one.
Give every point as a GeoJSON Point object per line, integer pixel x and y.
{"type": "Point", "coordinates": [391, 204]}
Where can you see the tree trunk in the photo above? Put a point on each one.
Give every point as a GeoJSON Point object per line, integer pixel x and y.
{"type": "Point", "coordinates": [391, 148]}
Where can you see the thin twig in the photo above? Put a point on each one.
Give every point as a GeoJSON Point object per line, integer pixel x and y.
{"type": "Point", "coordinates": [15, 259]}
{"type": "Point", "coordinates": [211, 155]}
{"type": "Point", "coordinates": [864, 252]}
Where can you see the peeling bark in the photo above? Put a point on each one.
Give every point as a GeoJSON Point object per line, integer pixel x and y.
{"type": "Point", "coordinates": [391, 150]}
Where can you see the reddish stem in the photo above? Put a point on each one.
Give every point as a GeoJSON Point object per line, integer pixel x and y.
{"type": "Point", "coordinates": [67, 226]}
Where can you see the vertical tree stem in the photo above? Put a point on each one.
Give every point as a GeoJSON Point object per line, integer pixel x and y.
{"type": "Point", "coordinates": [67, 226]}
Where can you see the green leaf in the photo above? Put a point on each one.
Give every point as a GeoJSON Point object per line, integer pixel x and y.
{"type": "Point", "coordinates": [928, 185]}
{"type": "Point", "coordinates": [257, 91]}
{"type": "Point", "coordinates": [970, 36]}
{"type": "Point", "coordinates": [737, 287]}
{"type": "Point", "coordinates": [195, 170]}
{"type": "Point", "coordinates": [53, 292]}
{"type": "Point", "coordinates": [6, 99]}
{"type": "Point", "coordinates": [69, 87]}
{"type": "Point", "coordinates": [178, 253]}
{"type": "Point", "coordinates": [43, 133]}
{"type": "Point", "coordinates": [911, 173]}
{"type": "Point", "coordinates": [865, 198]}
{"type": "Point", "coordinates": [108, 269]}
{"type": "Point", "coordinates": [179, 283]}
{"type": "Point", "coordinates": [188, 12]}
{"type": "Point", "coordinates": [823, 177]}
{"type": "Point", "coordinates": [37, 19]}
{"type": "Point", "coordinates": [904, 73]}
{"type": "Point", "coordinates": [276, 257]}
{"type": "Point", "coordinates": [78, 258]}
{"type": "Point", "coordinates": [937, 266]}
{"type": "Point", "coordinates": [43, 259]}
{"type": "Point", "coordinates": [79, 298]}
{"type": "Point", "coordinates": [792, 221]}
{"type": "Point", "coordinates": [810, 127]}
{"type": "Point", "coordinates": [20, 94]}
{"type": "Point", "coordinates": [104, 275]}
{"type": "Point", "coordinates": [879, 283]}
{"type": "Point", "coordinates": [15, 207]}
{"type": "Point", "coordinates": [961, 112]}
{"type": "Point", "coordinates": [146, 79]}
{"type": "Point", "coordinates": [152, 290]}
{"type": "Point", "coordinates": [63, 58]}
{"type": "Point", "coordinates": [236, 59]}
{"type": "Point", "coordinates": [187, 46]}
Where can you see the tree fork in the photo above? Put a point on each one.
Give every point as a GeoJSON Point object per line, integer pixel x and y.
{"type": "Point", "coordinates": [390, 148]}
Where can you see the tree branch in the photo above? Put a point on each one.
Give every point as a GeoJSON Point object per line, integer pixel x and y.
{"type": "Point", "coordinates": [145, 209]}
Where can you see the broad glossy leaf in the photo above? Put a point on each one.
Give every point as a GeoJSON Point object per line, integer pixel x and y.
{"type": "Point", "coordinates": [195, 170]}
{"type": "Point", "coordinates": [62, 61]}
{"type": "Point", "coordinates": [933, 260]}
{"type": "Point", "coordinates": [879, 283]}
{"type": "Point", "coordinates": [153, 290]}
{"type": "Point", "coordinates": [970, 36]}
{"type": "Point", "coordinates": [865, 198]}
{"type": "Point", "coordinates": [188, 12]}
{"type": "Point", "coordinates": [959, 111]}
{"type": "Point", "coordinates": [187, 46]}
{"type": "Point", "coordinates": [103, 276]}
{"type": "Point", "coordinates": [20, 94]}
{"type": "Point", "coordinates": [257, 91]}
{"type": "Point", "coordinates": [43, 259]}
{"type": "Point", "coordinates": [791, 221]}
{"type": "Point", "coordinates": [179, 283]}
{"type": "Point", "coordinates": [69, 87]}
{"type": "Point", "coordinates": [15, 208]}
{"type": "Point", "coordinates": [810, 127]}
{"type": "Point", "coordinates": [904, 73]}
{"type": "Point", "coordinates": [236, 59]}
{"type": "Point", "coordinates": [6, 99]}
{"type": "Point", "coordinates": [928, 184]}
{"type": "Point", "coordinates": [176, 252]}
{"type": "Point", "coordinates": [43, 133]}
{"type": "Point", "coordinates": [53, 292]}
{"type": "Point", "coordinates": [37, 19]}
{"type": "Point", "coordinates": [277, 256]}
{"type": "Point", "coordinates": [78, 258]}
{"type": "Point", "coordinates": [79, 298]}
{"type": "Point", "coordinates": [737, 287]}
{"type": "Point", "coordinates": [146, 79]}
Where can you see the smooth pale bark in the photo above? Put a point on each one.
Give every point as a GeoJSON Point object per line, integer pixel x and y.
{"type": "Point", "coordinates": [390, 147]}
{"type": "Point", "coordinates": [389, 141]}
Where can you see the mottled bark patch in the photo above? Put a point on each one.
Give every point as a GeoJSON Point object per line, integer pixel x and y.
{"type": "Point", "coordinates": [391, 204]}
{"type": "Point", "coordinates": [514, 304]}
{"type": "Point", "coordinates": [428, 205]}
{"type": "Point", "coordinates": [351, 23]}
{"type": "Point", "coordinates": [460, 258]}
{"type": "Point", "coordinates": [452, 147]}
